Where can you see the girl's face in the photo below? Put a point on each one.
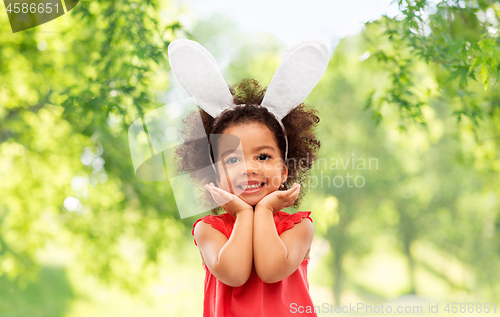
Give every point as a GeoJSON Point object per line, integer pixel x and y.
{"type": "Point", "coordinates": [255, 168]}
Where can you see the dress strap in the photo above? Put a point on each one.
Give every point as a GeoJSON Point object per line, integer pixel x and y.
{"type": "Point", "coordinates": [290, 221]}
{"type": "Point", "coordinates": [216, 222]}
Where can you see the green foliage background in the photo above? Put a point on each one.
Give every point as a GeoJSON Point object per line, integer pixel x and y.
{"type": "Point", "coordinates": [417, 93]}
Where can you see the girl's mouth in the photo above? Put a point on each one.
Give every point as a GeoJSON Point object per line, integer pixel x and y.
{"type": "Point", "coordinates": [250, 189]}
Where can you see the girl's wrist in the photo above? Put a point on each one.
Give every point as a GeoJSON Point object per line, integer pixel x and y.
{"type": "Point", "coordinates": [264, 208]}
{"type": "Point", "coordinates": [243, 211]}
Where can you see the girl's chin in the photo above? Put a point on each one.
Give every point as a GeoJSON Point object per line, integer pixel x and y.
{"type": "Point", "coordinates": [252, 201]}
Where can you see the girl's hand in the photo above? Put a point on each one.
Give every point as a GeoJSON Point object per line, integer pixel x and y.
{"type": "Point", "coordinates": [232, 204]}
{"type": "Point", "coordinates": [280, 199]}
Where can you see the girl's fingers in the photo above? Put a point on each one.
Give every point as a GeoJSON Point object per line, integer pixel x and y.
{"type": "Point", "coordinates": [216, 196]}
{"type": "Point", "coordinates": [289, 196]}
{"type": "Point", "coordinates": [294, 196]}
{"type": "Point", "coordinates": [215, 199]}
{"type": "Point", "coordinates": [225, 196]}
{"type": "Point", "coordinates": [220, 196]}
{"type": "Point", "coordinates": [288, 192]}
{"type": "Point", "coordinates": [214, 189]}
{"type": "Point", "coordinates": [209, 189]}
{"type": "Point", "coordinates": [214, 193]}
{"type": "Point", "coordinates": [209, 186]}
{"type": "Point", "coordinates": [295, 188]}
{"type": "Point", "coordinates": [220, 191]}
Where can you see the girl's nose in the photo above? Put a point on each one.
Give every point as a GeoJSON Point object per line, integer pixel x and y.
{"type": "Point", "coordinates": [251, 167]}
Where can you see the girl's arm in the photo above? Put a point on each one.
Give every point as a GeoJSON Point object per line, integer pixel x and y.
{"type": "Point", "coordinates": [276, 257]}
{"type": "Point", "coordinates": [229, 260]}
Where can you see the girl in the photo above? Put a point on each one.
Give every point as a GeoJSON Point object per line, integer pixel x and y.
{"type": "Point", "coordinates": [255, 256]}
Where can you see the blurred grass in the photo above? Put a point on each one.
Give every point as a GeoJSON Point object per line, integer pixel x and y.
{"type": "Point", "coordinates": [51, 295]}
{"type": "Point", "coordinates": [63, 289]}
{"type": "Point", "coordinates": [178, 293]}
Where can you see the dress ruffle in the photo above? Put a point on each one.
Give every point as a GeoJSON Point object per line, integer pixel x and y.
{"type": "Point", "coordinates": [216, 223]}
{"type": "Point", "coordinates": [292, 220]}
{"type": "Point", "coordinates": [283, 220]}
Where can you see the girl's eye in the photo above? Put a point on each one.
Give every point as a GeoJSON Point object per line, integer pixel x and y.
{"type": "Point", "coordinates": [232, 160]}
{"type": "Point", "coordinates": [264, 157]}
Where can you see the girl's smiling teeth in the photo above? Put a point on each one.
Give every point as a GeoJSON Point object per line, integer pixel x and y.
{"type": "Point", "coordinates": [250, 187]}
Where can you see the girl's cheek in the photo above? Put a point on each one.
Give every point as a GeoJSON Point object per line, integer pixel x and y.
{"type": "Point", "coordinates": [225, 183]}
{"type": "Point", "coordinates": [272, 168]}
{"type": "Point", "coordinates": [276, 181]}
{"type": "Point", "coordinates": [273, 165]}
{"type": "Point", "coordinates": [228, 183]}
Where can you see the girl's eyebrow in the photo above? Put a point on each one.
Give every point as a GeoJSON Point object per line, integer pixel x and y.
{"type": "Point", "coordinates": [256, 149]}
{"type": "Point", "coordinates": [259, 148]}
{"type": "Point", "coordinates": [227, 152]}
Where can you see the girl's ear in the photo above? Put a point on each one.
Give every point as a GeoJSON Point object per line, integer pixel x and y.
{"type": "Point", "coordinates": [284, 173]}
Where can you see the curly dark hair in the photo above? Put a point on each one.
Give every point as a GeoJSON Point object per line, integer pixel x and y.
{"type": "Point", "coordinates": [299, 125]}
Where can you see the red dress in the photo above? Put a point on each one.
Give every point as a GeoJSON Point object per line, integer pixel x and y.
{"type": "Point", "coordinates": [288, 297]}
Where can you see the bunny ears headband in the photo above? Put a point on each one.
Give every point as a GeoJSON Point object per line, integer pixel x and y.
{"type": "Point", "coordinates": [197, 71]}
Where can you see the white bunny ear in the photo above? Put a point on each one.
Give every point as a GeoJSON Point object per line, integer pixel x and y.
{"type": "Point", "coordinates": [199, 75]}
{"type": "Point", "coordinates": [300, 70]}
